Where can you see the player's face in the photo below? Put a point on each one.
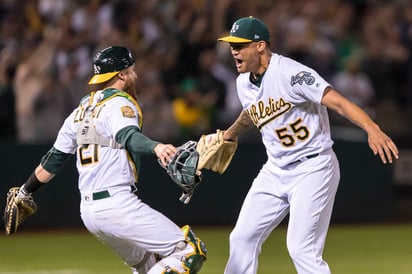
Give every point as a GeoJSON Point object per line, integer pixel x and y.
{"type": "Point", "coordinates": [247, 57]}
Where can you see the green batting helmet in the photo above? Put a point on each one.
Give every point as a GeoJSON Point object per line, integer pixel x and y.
{"type": "Point", "coordinates": [109, 62]}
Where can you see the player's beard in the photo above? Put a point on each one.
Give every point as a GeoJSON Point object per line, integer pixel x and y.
{"type": "Point", "coordinates": [130, 87]}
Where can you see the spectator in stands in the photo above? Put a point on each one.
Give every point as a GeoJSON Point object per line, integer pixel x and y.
{"type": "Point", "coordinates": [318, 33]}
{"type": "Point", "coordinates": [192, 109]}
{"type": "Point", "coordinates": [212, 82]}
{"type": "Point", "coordinates": [37, 93]}
{"type": "Point", "coordinates": [354, 85]}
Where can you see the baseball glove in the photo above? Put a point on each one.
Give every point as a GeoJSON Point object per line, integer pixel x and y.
{"type": "Point", "coordinates": [215, 153]}
{"type": "Point", "coordinates": [182, 168]}
{"type": "Point", "coordinates": [18, 208]}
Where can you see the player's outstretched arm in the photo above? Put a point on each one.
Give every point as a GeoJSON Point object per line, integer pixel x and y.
{"type": "Point", "coordinates": [136, 142]}
{"type": "Point", "coordinates": [380, 143]}
{"type": "Point", "coordinates": [242, 123]}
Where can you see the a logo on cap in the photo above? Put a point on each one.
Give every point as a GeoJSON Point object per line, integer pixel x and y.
{"type": "Point", "coordinates": [96, 69]}
{"type": "Point", "coordinates": [235, 27]}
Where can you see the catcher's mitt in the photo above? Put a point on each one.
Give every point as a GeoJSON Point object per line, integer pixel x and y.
{"type": "Point", "coordinates": [182, 168]}
{"type": "Point", "coordinates": [215, 153]}
{"type": "Point", "coordinates": [18, 208]}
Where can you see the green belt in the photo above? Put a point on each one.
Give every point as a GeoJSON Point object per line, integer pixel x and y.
{"type": "Point", "coordinates": [101, 195]}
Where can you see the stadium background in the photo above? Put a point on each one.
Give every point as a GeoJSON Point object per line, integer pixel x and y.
{"type": "Point", "coordinates": [363, 47]}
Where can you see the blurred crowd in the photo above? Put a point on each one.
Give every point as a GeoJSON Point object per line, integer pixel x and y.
{"type": "Point", "coordinates": [186, 79]}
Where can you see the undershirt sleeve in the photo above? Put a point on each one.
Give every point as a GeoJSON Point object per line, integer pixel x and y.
{"type": "Point", "coordinates": [54, 160]}
{"type": "Point", "coordinates": [134, 141]}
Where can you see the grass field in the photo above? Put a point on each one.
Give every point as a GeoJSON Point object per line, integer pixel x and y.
{"type": "Point", "coordinates": [350, 249]}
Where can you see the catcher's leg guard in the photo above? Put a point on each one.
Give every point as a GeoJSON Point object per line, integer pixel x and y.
{"type": "Point", "coordinates": [187, 258]}
{"type": "Point", "coordinates": [194, 261]}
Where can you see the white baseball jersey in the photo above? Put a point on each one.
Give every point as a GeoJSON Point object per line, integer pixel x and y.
{"type": "Point", "coordinates": [117, 166]}
{"type": "Point", "coordinates": [289, 114]}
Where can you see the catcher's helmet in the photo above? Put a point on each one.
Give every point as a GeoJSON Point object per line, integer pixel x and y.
{"type": "Point", "coordinates": [108, 62]}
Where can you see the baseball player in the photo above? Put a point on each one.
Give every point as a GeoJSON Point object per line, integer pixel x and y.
{"type": "Point", "coordinates": [104, 132]}
{"type": "Point", "coordinates": [287, 102]}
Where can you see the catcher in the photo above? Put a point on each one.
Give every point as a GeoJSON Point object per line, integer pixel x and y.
{"type": "Point", "coordinates": [105, 134]}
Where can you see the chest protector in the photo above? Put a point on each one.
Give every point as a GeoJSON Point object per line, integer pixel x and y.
{"type": "Point", "coordinates": [86, 133]}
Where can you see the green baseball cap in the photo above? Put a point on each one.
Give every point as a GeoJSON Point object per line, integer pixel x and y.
{"type": "Point", "coordinates": [247, 29]}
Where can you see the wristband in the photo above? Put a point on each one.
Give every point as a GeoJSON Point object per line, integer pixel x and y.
{"type": "Point", "coordinates": [32, 184]}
